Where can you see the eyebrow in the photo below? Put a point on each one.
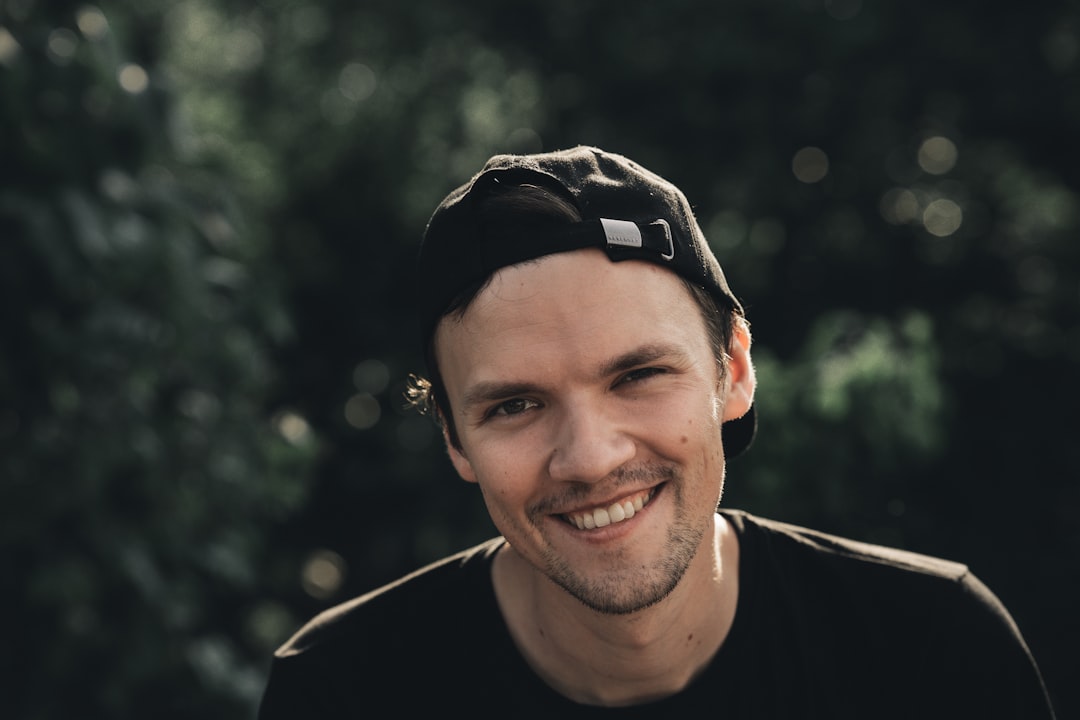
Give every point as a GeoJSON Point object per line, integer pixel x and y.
{"type": "Point", "coordinates": [487, 392]}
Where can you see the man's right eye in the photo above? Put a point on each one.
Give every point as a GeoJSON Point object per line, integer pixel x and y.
{"type": "Point", "coordinates": [515, 406]}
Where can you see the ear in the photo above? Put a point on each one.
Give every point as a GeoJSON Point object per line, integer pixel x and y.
{"type": "Point", "coordinates": [457, 457]}
{"type": "Point", "coordinates": [741, 381]}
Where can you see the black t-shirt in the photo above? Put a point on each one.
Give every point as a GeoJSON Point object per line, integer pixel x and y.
{"type": "Point", "coordinates": [825, 628]}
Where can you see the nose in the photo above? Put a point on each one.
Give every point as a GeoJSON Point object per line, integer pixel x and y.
{"type": "Point", "coordinates": [589, 445]}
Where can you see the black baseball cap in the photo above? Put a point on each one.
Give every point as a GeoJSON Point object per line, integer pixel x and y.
{"type": "Point", "coordinates": [627, 211]}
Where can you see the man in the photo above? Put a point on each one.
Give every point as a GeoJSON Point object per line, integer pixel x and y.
{"type": "Point", "coordinates": [591, 371]}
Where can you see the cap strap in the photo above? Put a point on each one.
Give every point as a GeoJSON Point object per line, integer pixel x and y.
{"type": "Point", "coordinates": [653, 236]}
{"type": "Point", "coordinates": [510, 246]}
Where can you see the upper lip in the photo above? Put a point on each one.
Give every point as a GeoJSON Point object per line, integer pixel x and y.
{"type": "Point", "coordinates": [618, 497]}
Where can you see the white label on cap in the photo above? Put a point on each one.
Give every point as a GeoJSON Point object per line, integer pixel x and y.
{"type": "Point", "coordinates": [621, 232]}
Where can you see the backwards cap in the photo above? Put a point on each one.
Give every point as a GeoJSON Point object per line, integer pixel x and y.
{"type": "Point", "coordinates": [627, 211]}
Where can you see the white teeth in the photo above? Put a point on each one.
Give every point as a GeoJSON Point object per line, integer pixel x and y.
{"type": "Point", "coordinates": [617, 512]}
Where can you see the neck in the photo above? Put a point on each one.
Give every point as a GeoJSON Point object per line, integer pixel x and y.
{"type": "Point", "coordinates": [600, 659]}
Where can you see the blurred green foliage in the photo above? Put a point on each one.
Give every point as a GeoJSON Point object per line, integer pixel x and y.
{"type": "Point", "coordinates": [208, 210]}
{"type": "Point", "coordinates": [141, 460]}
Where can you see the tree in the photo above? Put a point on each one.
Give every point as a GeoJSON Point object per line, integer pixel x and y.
{"type": "Point", "coordinates": [141, 458]}
{"type": "Point", "coordinates": [889, 185]}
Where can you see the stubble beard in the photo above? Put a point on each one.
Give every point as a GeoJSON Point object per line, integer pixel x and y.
{"type": "Point", "coordinates": [627, 588]}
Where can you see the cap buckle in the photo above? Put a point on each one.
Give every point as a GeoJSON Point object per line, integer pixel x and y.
{"type": "Point", "coordinates": [654, 236]}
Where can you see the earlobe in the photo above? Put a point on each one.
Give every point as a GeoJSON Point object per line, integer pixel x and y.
{"type": "Point", "coordinates": [457, 457]}
{"type": "Point", "coordinates": [741, 381]}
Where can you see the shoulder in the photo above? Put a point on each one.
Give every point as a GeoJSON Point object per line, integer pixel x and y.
{"type": "Point", "coordinates": [423, 597]}
{"type": "Point", "coordinates": [875, 592]}
{"type": "Point", "coordinates": [357, 654]}
{"type": "Point", "coordinates": [782, 541]}
{"type": "Point", "coordinates": [885, 617]}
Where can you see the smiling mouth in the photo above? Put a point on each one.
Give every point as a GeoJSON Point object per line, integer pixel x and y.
{"type": "Point", "coordinates": [617, 512]}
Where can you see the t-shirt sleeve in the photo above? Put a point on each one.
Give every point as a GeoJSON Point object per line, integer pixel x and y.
{"type": "Point", "coordinates": [985, 661]}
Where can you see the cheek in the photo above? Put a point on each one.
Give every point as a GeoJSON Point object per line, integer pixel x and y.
{"type": "Point", "coordinates": [697, 429]}
{"type": "Point", "coordinates": [507, 499]}
{"type": "Point", "coordinates": [691, 418]}
{"type": "Point", "coordinates": [506, 476]}
{"type": "Point", "coordinates": [507, 459]}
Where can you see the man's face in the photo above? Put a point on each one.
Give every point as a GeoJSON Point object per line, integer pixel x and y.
{"type": "Point", "coordinates": [588, 404]}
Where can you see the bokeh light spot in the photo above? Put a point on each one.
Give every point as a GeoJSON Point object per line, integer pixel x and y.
{"type": "Point", "coordinates": [362, 411]}
{"type": "Point", "coordinates": [810, 165]}
{"type": "Point", "coordinates": [9, 46]}
{"type": "Point", "coordinates": [322, 574]}
{"type": "Point", "coordinates": [899, 206]}
{"type": "Point", "coordinates": [200, 406]}
{"type": "Point", "coordinates": [91, 22]}
{"type": "Point", "coordinates": [243, 50]}
{"type": "Point", "coordinates": [269, 624]}
{"type": "Point", "coordinates": [309, 23]}
{"type": "Point", "coordinates": [942, 217]}
{"type": "Point", "coordinates": [1060, 48]}
{"type": "Point", "coordinates": [727, 229]}
{"type": "Point", "coordinates": [293, 427]}
{"type": "Point", "coordinates": [62, 45]}
{"type": "Point", "coordinates": [937, 155]}
{"type": "Point", "coordinates": [524, 140]}
{"type": "Point", "coordinates": [357, 82]}
{"type": "Point", "coordinates": [371, 376]}
{"type": "Point", "coordinates": [133, 78]}
{"type": "Point", "coordinates": [767, 235]}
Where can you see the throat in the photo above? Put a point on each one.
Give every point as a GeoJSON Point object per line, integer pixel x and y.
{"type": "Point", "coordinates": [620, 660]}
{"type": "Point", "coordinates": [616, 670]}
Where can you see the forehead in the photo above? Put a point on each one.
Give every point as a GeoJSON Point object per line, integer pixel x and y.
{"type": "Point", "coordinates": [576, 305]}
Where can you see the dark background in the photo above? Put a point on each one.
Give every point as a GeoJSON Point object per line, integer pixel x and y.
{"type": "Point", "coordinates": [208, 210]}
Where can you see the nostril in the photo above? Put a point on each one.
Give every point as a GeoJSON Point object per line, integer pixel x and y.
{"type": "Point", "coordinates": [588, 444]}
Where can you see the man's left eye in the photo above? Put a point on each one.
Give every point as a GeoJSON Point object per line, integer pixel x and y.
{"type": "Point", "coordinates": [640, 374]}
